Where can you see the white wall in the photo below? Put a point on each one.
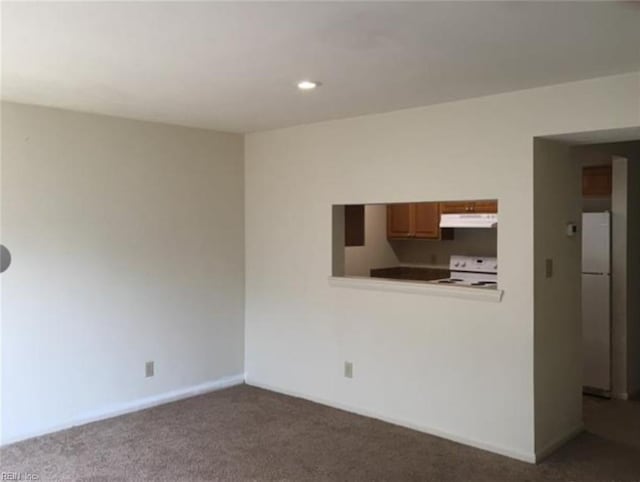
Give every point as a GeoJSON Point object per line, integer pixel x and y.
{"type": "Point", "coordinates": [627, 281]}
{"type": "Point", "coordinates": [461, 368]}
{"type": "Point", "coordinates": [619, 277]}
{"type": "Point", "coordinates": [127, 243]}
{"type": "Point", "coordinates": [557, 304]}
{"type": "Point", "coordinates": [628, 382]}
{"type": "Point", "coordinates": [625, 257]}
{"type": "Point", "coordinates": [376, 252]}
{"type": "Point", "coordinates": [633, 272]}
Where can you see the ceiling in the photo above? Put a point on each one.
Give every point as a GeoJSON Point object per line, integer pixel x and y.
{"type": "Point", "coordinates": [233, 66]}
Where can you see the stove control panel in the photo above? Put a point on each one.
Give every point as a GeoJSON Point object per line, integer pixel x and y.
{"type": "Point", "coordinates": [475, 264]}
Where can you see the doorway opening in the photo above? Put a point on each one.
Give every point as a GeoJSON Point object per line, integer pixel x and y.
{"type": "Point", "coordinates": [608, 177]}
{"type": "Point", "coordinates": [587, 280]}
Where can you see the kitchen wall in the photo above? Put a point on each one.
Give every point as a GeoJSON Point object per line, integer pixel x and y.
{"type": "Point", "coordinates": [625, 257]}
{"type": "Point", "coordinates": [469, 242]}
{"type": "Point", "coordinates": [633, 271]}
{"type": "Point", "coordinates": [557, 296]}
{"type": "Point", "coordinates": [619, 277]}
{"type": "Point", "coordinates": [379, 252]}
{"type": "Point", "coordinates": [376, 252]}
{"type": "Point", "coordinates": [627, 382]}
{"type": "Point", "coordinates": [127, 243]}
{"type": "Point", "coordinates": [463, 369]}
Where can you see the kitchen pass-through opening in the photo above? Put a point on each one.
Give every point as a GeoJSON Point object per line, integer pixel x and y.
{"type": "Point", "coordinates": [446, 243]}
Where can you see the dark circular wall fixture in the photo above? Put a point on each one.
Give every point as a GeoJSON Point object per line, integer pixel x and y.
{"type": "Point", "coordinates": [5, 258]}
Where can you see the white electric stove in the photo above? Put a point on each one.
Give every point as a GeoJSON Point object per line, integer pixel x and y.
{"type": "Point", "coordinates": [478, 272]}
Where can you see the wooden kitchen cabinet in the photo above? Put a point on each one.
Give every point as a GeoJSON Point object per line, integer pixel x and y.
{"type": "Point", "coordinates": [426, 220]}
{"type": "Point", "coordinates": [399, 220]}
{"type": "Point", "coordinates": [596, 181]}
{"type": "Point", "coordinates": [415, 221]}
{"type": "Point", "coordinates": [354, 225]}
{"type": "Point", "coordinates": [490, 207]}
{"type": "Point", "coordinates": [461, 207]}
{"type": "Point", "coordinates": [456, 207]}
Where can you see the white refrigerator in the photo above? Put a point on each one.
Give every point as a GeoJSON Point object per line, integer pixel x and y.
{"type": "Point", "coordinates": [596, 302]}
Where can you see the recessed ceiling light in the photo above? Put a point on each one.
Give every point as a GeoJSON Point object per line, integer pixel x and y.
{"type": "Point", "coordinates": [307, 85]}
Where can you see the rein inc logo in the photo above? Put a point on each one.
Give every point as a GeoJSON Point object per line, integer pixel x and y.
{"type": "Point", "coordinates": [19, 476]}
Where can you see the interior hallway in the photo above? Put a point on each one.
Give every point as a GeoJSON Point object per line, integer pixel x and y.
{"type": "Point", "coordinates": [615, 420]}
{"type": "Point", "coordinates": [247, 433]}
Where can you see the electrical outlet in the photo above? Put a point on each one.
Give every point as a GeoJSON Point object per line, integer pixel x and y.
{"type": "Point", "coordinates": [148, 369]}
{"type": "Point", "coordinates": [348, 369]}
{"type": "Point", "coordinates": [548, 268]}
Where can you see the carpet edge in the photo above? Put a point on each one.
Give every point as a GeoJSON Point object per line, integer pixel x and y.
{"type": "Point", "coordinates": [123, 408]}
{"type": "Point", "coordinates": [511, 453]}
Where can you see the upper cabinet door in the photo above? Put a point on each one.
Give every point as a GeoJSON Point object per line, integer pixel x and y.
{"type": "Point", "coordinates": [596, 181]}
{"type": "Point", "coordinates": [461, 207]}
{"type": "Point", "coordinates": [399, 220]}
{"type": "Point", "coordinates": [427, 220]}
{"type": "Point", "coordinates": [456, 207]}
{"type": "Point", "coordinates": [485, 207]}
{"type": "Point", "coordinates": [354, 225]}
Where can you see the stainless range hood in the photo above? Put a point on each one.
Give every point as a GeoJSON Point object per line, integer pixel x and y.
{"type": "Point", "coordinates": [469, 220]}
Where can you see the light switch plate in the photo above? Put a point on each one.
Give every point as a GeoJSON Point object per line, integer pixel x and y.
{"type": "Point", "coordinates": [348, 369]}
{"type": "Point", "coordinates": [548, 268]}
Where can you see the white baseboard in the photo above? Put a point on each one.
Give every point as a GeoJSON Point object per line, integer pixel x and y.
{"type": "Point", "coordinates": [514, 454]}
{"type": "Point", "coordinates": [558, 442]}
{"type": "Point", "coordinates": [626, 396]}
{"type": "Point", "coordinates": [133, 406]}
{"type": "Point", "coordinates": [620, 396]}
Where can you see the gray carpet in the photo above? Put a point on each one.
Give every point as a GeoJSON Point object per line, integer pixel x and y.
{"type": "Point", "coordinates": [244, 433]}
